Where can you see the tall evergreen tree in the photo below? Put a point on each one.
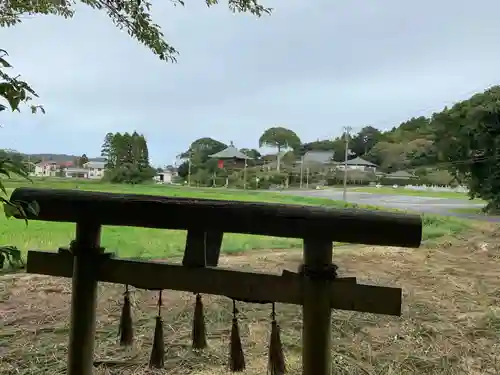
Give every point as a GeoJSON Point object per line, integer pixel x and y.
{"type": "Point", "coordinates": [119, 149]}
{"type": "Point", "coordinates": [128, 148]}
{"type": "Point", "coordinates": [143, 157]}
{"type": "Point", "coordinates": [136, 147]}
{"type": "Point", "coordinates": [128, 157]}
{"type": "Point", "coordinates": [107, 150]}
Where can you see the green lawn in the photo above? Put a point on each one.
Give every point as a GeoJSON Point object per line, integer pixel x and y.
{"type": "Point", "coordinates": [403, 191]}
{"type": "Point", "coordinates": [471, 211]}
{"type": "Point", "coordinates": [154, 243]}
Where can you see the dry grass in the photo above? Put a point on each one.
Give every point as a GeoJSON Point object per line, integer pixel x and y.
{"type": "Point", "coordinates": [450, 324]}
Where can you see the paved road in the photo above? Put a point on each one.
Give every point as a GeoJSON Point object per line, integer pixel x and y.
{"type": "Point", "coordinates": [441, 206]}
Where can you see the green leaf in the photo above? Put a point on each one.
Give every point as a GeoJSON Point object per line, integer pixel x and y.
{"type": "Point", "coordinates": [10, 210]}
{"type": "Point", "coordinates": [2, 188]}
{"type": "Point", "coordinates": [13, 256]}
{"type": "Point", "coordinates": [4, 63]}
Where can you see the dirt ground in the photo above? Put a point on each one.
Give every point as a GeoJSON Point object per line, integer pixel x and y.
{"type": "Point", "coordinates": [450, 322]}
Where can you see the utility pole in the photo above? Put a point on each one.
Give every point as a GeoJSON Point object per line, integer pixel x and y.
{"type": "Point", "coordinates": [189, 171]}
{"type": "Point", "coordinates": [347, 130]}
{"type": "Point", "coordinates": [301, 171]}
{"type": "Point", "coordinates": [244, 176]}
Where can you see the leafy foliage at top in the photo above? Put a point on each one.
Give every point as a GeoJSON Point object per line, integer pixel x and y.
{"type": "Point", "coordinates": [133, 16]}
{"type": "Point", "coordinates": [13, 90]}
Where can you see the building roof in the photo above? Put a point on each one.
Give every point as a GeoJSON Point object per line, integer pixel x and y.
{"type": "Point", "coordinates": [359, 161]}
{"type": "Point", "coordinates": [58, 163]}
{"type": "Point", "coordinates": [95, 164]}
{"type": "Point", "coordinates": [230, 152]}
{"type": "Point", "coordinates": [319, 157]}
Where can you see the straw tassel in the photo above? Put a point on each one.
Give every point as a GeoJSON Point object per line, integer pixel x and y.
{"type": "Point", "coordinates": [199, 331]}
{"type": "Point", "coordinates": [126, 331]}
{"type": "Point", "coordinates": [236, 356]}
{"type": "Point", "coordinates": [157, 359]}
{"type": "Point", "coordinates": [277, 364]}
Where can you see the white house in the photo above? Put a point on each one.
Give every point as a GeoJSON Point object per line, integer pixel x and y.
{"type": "Point", "coordinates": [46, 169]}
{"type": "Point", "coordinates": [166, 176]}
{"type": "Point", "coordinates": [95, 169]}
{"type": "Point", "coordinates": [91, 169]}
{"type": "Point", "coordinates": [50, 168]}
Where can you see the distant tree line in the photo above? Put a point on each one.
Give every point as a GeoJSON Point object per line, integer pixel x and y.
{"type": "Point", "coordinates": [127, 158]}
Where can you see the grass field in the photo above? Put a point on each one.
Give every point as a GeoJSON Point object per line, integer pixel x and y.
{"type": "Point", "coordinates": [469, 211]}
{"type": "Point", "coordinates": [403, 191]}
{"type": "Point", "coordinates": [154, 243]}
{"type": "Point", "coordinates": [449, 324]}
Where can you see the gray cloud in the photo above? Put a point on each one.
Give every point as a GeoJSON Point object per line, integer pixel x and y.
{"type": "Point", "coordinates": [313, 66]}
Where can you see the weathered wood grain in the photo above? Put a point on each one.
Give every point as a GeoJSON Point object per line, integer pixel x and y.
{"type": "Point", "coordinates": [293, 221]}
{"type": "Point", "coordinates": [345, 295]}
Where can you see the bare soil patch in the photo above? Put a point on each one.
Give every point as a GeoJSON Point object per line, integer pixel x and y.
{"type": "Point", "coordinates": [450, 324]}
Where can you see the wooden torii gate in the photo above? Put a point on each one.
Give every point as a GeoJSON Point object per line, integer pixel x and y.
{"type": "Point", "coordinates": [316, 287]}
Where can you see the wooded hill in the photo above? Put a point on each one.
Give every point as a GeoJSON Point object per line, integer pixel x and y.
{"type": "Point", "coordinates": [38, 157]}
{"type": "Point", "coordinates": [409, 145]}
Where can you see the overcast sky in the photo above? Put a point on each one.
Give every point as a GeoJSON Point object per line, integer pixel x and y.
{"type": "Point", "coordinates": [313, 66]}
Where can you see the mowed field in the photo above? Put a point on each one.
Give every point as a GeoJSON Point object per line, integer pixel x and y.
{"type": "Point", "coordinates": [450, 323]}
{"type": "Point", "coordinates": [155, 243]}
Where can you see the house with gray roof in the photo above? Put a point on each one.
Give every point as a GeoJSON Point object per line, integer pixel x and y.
{"type": "Point", "coordinates": [324, 158]}
{"type": "Point", "coordinates": [95, 169]}
{"type": "Point", "coordinates": [317, 161]}
{"type": "Point", "coordinates": [359, 164]}
{"type": "Point", "coordinates": [231, 158]}
{"type": "Point", "coordinates": [230, 152]}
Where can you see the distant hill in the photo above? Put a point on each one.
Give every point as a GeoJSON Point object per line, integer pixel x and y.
{"type": "Point", "coordinates": [51, 157]}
